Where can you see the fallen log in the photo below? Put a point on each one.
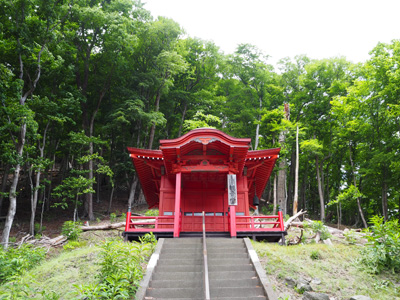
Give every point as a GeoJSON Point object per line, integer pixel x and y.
{"type": "Point", "coordinates": [113, 225]}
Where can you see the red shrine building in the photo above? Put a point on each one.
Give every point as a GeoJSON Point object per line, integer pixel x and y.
{"type": "Point", "coordinates": [204, 171]}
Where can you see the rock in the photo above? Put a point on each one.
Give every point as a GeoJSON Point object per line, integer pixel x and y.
{"type": "Point", "coordinates": [360, 297]}
{"type": "Point", "coordinates": [290, 282]}
{"type": "Point", "coordinates": [303, 286]}
{"type": "Point", "coordinates": [328, 242]}
{"type": "Point", "coordinates": [315, 296]}
{"type": "Point", "coordinates": [316, 281]}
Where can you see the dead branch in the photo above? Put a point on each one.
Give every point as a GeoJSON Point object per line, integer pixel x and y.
{"type": "Point", "coordinates": [289, 222]}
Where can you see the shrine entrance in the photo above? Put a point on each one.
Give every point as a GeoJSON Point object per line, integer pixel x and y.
{"type": "Point", "coordinates": [204, 192]}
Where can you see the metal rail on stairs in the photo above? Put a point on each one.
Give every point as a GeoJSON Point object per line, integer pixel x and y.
{"type": "Point", "coordinates": [205, 263]}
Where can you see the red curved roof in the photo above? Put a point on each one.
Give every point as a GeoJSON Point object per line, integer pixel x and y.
{"type": "Point", "coordinates": [191, 149]}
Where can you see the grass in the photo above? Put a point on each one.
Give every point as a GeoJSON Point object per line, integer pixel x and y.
{"type": "Point", "coordinates": [56, 276]}
{"type": "Point", "coordinates": [336, 266]}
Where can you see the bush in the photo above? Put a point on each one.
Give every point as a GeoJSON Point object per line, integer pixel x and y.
{"type": "Point", "coordinates": [14, 262]}
{"type": "Point", "coordinates": [318, 226]}
{"type": "Point", "coordinates": [121, 271]}
{"type": "Point", "coordinates": [71, 230]}
{"type": "Point", "coordinates": [152, 212]}
{"type": "Point", "coordinates": [382, 251]}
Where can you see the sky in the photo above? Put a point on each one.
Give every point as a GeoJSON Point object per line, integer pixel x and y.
{"type": "Point", "coordinates": [286, 28]}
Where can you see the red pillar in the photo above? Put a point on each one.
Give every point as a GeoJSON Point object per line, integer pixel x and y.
{"type": "Point", "coordinates": [280, 217]}
{"type": "Point", "coordinates": [232, 212]}
{"type": "Point", "coordinates": [128, 219]}
{"type": "Point", "coordinates": [177, 204]}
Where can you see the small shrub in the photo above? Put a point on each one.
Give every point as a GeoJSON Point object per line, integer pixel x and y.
{"type": "Point", "coordinates": [315, 255]}
{"type": "Point", "coordinates": [71, 230]}
{"type": "Point", "coordinates": [113, 217]}
{"type": "Point", "coordinates": [152, 212]}
{"type": "Point", "coordinates": [382, 251]}
{"type": "Point", "coordinates": [71, 245]}
{"type": "Point", "coordinates": [121, 270]}
{"type": "Point", "coordinates": [318, 226]}
{"type": "Point", "coordinates": [350, 236]}
{"type": "Point", "coordinates": [14, 262]}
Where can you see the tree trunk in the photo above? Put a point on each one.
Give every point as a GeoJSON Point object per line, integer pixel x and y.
{"type": "Point", "coordinates": [355, 185]}
{"type": "Point", "coordinates": [320, 189]}
{"type": "Point", "coordinates": [281, 194]}
{"type": "Point", "coordinates": [258, 126]}
{"type": "Point", "coordinates": [37, 183]}
{"type": "Point", "coordinates": [183, 119]}
{"type": "Point", "coordinates": [132, 191]}
{"type": "Point", "coordinates": [153, 126]}
{"type": "Point", "coordinates": [89, 196]}
{"type": "Point", "coordinates": [384, 200]}
{"type": "Point", "coordinates": [296, 175]}
{"type": "Point", "coordinates": [4, 186]}
{"type": "Point", "coordinates": [13, 190]}
{"type": "Point", "coordinates": [275, 197]}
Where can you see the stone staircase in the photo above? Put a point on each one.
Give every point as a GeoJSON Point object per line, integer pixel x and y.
{"type": "Point", "coordinates": [179, 271]}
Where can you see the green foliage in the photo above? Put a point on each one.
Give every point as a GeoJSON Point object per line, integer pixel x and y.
{"type": "Point", "coordinates": [200, 120]}
{"type": "Point", "coordinates": [152, 212]}
{"type": "Point", "coordinates": [318, 226]}
{"type": "Point", "coordinates": [15, 261]}
{"type": "Point", "coordinates": [150, 239]}
{"type": "Point", "coordinates": [113, 217]}
{"type": "Point", "coordinates": [350, 236]}
{"type": "Point", "coordinates": [382, 251]}
{"type": "Point", "coordinates": [71, 230]}
{"type": "Point", "coordinates": [315, 255]}
{"type": "Point", "coordinates": [121, 270]}
{"type": "Point", "coordinates": [73, 244]}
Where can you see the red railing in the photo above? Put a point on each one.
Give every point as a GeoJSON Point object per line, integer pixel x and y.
{"type": "Point", "coordinates": [257, 223]}
{"type": "Point", "coordinates": [149, 223]}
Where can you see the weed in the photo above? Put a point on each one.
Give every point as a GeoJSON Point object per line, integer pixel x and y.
{"type": "Point", "coordinates": [113, 217]}
{"type": "Point", "coordinates": [383, 249]}
{"type": "Point", "coordinates": [71, 245]}
{"type": "Point", "coordinates": [71, 230]}
{"type": "Point", "coordinates": [120, 270]}
{"type": "Point", "coordinates": [350, 236]}
{"type": "Point", "coordinates": [14, 262]}
{"type": "Point", "coordinates": [318, 226]}
{"type": "Point", "coordinates": [315, 255]}
{"type": "Point", "coordinates": [152, 212]}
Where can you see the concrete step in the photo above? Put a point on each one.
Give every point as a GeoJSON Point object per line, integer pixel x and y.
{"type": "Point", "coordinates": [187, 255]}
{"type": "Point", "coordinates": [181, 262]}
{"type": "Point", "coordinates": [178, 268]}
{"type": "Point", "coordinates": [228, 261]}
{"type": "Point", "coordinates": [199, 255]}
{"type": "Point", "coordinates": [216, 298]}
{"type": "Point", "coordinates": [226, 250]}
{"type": "Point", "coordinates": [221, 241]}
{"type": "Point", "coordinates": [230, 268]}
{"type": "Point", "coordinates": [182, 246]}
{"type": "Point", "coordinates": [186, 283]}
{"type": "Point", "coordinates": [215, 275]}
{"type": "Point", "coordinates": [175, 293]}
{"type": "Point", "coordinates": [182, 241]}
{"type": "Point", "coordinates": [236, 292]}
{"type": "Point", "coordinates": [221, 282]}
{"type": "Point", "coordinates": [239, 298]}
{"type": "Point", "coordinates": [182, 250]}
{"type": "Point", "coordinates": [176, 276]}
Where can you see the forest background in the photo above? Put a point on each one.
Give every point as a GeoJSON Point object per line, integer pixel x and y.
{"type": "Point", "coordinates": [80, 81]}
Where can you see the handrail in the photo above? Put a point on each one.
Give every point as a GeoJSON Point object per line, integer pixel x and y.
{"type": "Point", "coordinates": [205, 263]}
